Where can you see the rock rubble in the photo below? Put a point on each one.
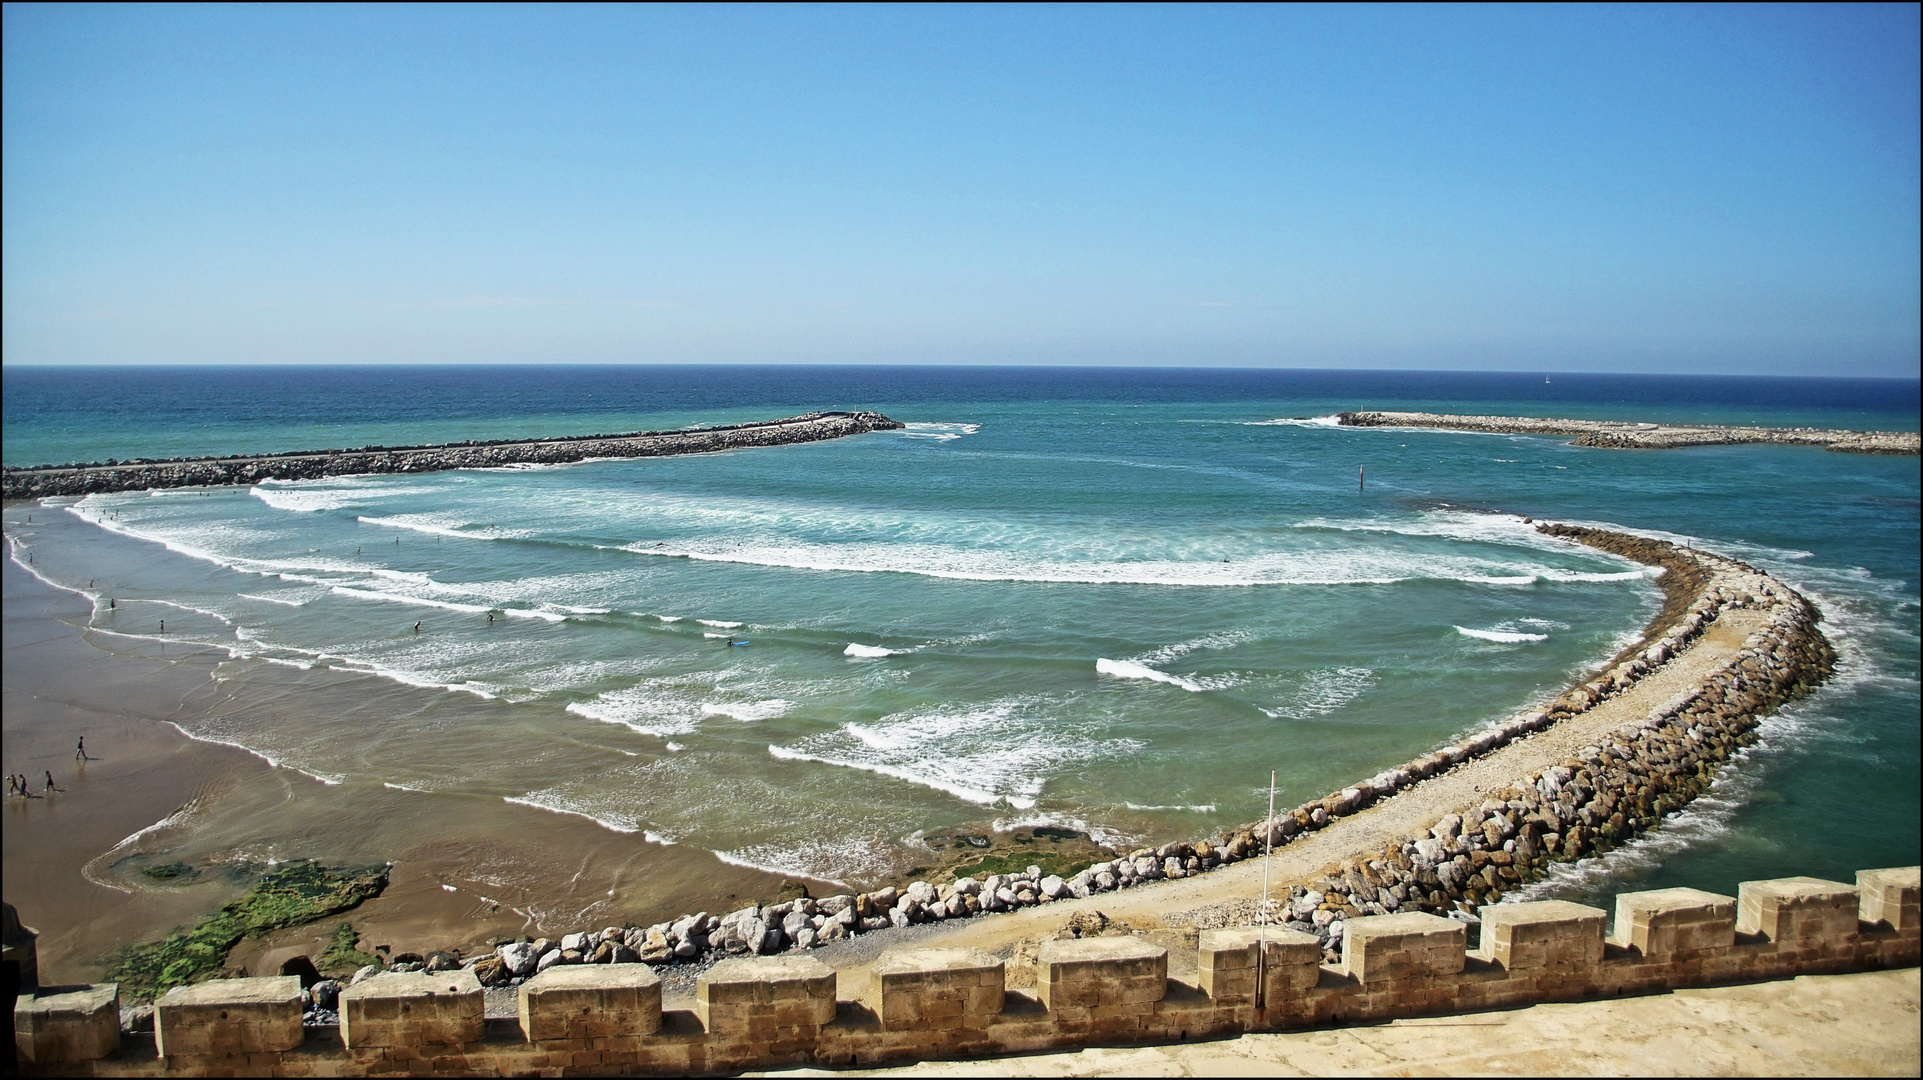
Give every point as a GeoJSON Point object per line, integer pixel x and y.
{"type": "Point", "coordinates": [141, 474]}
{"type": "Point", "coordinates": [1623, 435]}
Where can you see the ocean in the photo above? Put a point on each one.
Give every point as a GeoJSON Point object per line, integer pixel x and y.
{"type": "Point", "coordinates": [1111, 600]}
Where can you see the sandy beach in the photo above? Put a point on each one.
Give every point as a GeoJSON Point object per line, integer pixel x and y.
{"type": "Point", "coordinates": [59, 684]}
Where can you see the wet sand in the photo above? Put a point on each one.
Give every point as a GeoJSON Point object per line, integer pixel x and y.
{"type": "Point", "coordinates": [462, 865]}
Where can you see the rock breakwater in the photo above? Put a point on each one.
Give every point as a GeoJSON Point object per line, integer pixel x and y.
{"type": "Point", "coordinates": [1599, 797]}
{"type": "Point", "coordinates": [141, 474]}
{"type": "Point", "coordinates": [1624, 435]}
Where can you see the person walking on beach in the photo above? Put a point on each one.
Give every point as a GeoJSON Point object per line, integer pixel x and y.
{"type": "Point", "coordinates": [80, 752]}
{"type": "Point", "coordinates": [11, 786]}
{"type": "Point", "coordinates": [163, 626]}
{"type": "Point", "coordinates": [49, 779]}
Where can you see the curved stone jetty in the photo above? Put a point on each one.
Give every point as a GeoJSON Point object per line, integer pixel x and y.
{"type": "Point", "coordinates": [1625, 435]}
{"type": "Point", "coordinates": [140, 474]}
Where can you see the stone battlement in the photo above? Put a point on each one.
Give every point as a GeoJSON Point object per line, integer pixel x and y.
{"type": "Point", "coordinates": [786, 1010]}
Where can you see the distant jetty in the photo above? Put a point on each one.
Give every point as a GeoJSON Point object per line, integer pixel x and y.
{"type": "Point", "coordinates": [142, 473]}
{"type": "Point", "coordinates": [1624, 435]}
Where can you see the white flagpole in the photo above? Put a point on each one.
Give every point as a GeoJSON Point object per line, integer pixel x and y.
{"type": "Point", "coordinates": [1262, 934]}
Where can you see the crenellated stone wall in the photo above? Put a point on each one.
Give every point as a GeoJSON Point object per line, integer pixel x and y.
{"type": "Point", "coordinates": [775, 1011]}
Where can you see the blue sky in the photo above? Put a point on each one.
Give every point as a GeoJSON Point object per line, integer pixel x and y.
{"type": "Point", "coordinates": [1691, 189]}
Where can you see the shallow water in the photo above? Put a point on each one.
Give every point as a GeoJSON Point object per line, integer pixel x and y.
{"type": "Point", "coordinates": [1114, 600]}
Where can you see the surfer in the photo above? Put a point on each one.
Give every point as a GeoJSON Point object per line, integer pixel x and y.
{"type": "Point", "coordinates": [732, 643]}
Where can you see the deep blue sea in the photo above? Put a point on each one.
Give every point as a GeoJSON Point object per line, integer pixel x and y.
{"type": "Point", "coordinates": [1108, 598]}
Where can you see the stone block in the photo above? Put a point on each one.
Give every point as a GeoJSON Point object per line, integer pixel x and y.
{"type": "Point", "coordinates": [1091, 972]}
{"type": "Point", "coordinates": [1381, 948]}
{"type": "Point", "coordinates": [1226, 963]}
{"type": "Point", "coordinates": [936, 989]}
{"type": "Point", "coordinates": [1543, 934]}
{"type": "Point", "coordinates": [68, 1025]}
{"type": "Point", "coordinates": [413, 1009]}
{"type": "Point", "coordinates": [1888, 897]}
{"type": "Point", "coordinates": [1675, 922]}
{"type": "Point", "coordinates": [591, 1001]}
{"type": "Point", "coordinates": [18, 946]}
{"type": "Point", "coordinates": [229, 1016]}
{"type": "Point", "coordinates": [1798, 912]}
{"type": "Point", "coordinates": [754, 996]}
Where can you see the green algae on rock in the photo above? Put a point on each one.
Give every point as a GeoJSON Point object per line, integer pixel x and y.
{"type": "Point", "coordinates": [290, 895]}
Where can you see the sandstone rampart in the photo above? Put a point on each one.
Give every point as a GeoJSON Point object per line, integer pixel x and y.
{"type": "Point", "coordinates": [771, 1012]}
{"type": "Point", "coordinates": [48, 480]}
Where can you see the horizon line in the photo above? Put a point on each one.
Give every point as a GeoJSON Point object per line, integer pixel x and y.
{"type": "Point", "coordinates": [393, 365]}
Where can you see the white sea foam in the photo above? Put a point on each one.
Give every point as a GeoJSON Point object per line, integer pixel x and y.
{"type": "Point", "coordinates": [869, 652]}
{"type": "Point", "coordinates": [1507, 637]}
{"type": "Point", "coordinates": [721, 624]}
{"type": "Point", "coordinates": [1300, 421]}
{"type": "Point", "coordinates": [553, 804]}
{"type": "Point", "coordinates": [1300, 567]}
{"type": "Point", "coordinates": [1224, 640]}
{"type": "Point", "coordinates": [747, 711]}
{"type": "Point", "coordinates": [417, 679]}
{"type": "Point", "coordinates": [309, 496]}
{"type": "Point", "coordinates": [670, 618]}
{"type": "Point", "coordinates": [997, 752]}
{"type": "Point", "coordinates": [1324, 691]}
{"type": "Point", "coordinates": [1101, 834]}
{"type": "Point", "coordinates": [415, 601]}
{"type": "Point", "coordinates": [712, 634]}
{"type": "Point", "coordinates": [830, 860]}
{"type": "Point", "coordinates": [940, 432]}
{"type": "Point", "coordinates": [272, 599]}
{"type": "Point", "coordinates": [448, 525]}
{"type": "Point", "coordinates": [330, 779]}
{"type": "Point", "coordinates": [1122, 669]}
{"type": "Point", "coordinates": [648, 708]}
{"type": "Point", "coordinates": [1201, 808]}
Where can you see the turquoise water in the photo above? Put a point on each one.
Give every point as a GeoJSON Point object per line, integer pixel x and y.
{"type": "Point", "coordinates": [1112, 600]}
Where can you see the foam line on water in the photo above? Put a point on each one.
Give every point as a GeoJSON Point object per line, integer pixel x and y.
{"type": "Point", "coordinates": [869, 652]}
{"type": "Point", "coordinates": [1269, 568]}
{"type": "Point", "coordinates": [1507, 637]}
{"type": "Point", "coordinates": [542, 800]}
{"type": "Point", "coordinates": [311, 496]}
{"type": "Point", "coordinates": [939, 432]}
{"type": "Point", "coordinates": [286, 569]}
{"type": "Point", "coordinates": [1122, 669]}
{"type": "Point", "coordinates": [1224, 640]}
{"type": "Point", "coordinates": [999, 752]}
{"type": "Point", "coordinates": [272, 600]}
{"type": "Point", "coordinates": [958, 790]}
{"type": "Point", "coordinates": [1330, 421]}
{"type": "Point", "coordinates": [748, 711]}
{"type": "Point", "coordinates": [331, 780]}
